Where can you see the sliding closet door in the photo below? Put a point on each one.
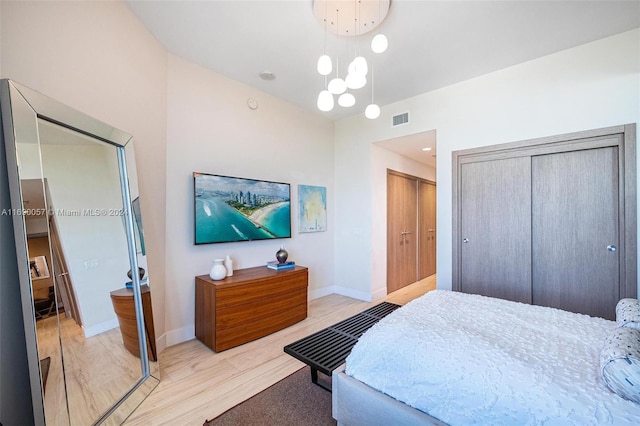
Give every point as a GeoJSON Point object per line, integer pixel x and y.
{"type": "Point", "coordinates": [427, 228]}
{"type": "Point", "coordinates": [495, 228]}
{"type": "Point", "coordinates": [575, 211]}
{"type": "Point", "coordinates": [402, 235]}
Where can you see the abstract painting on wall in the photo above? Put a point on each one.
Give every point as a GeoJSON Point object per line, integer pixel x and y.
{"type": "Point", "coordinates": [312, 208]}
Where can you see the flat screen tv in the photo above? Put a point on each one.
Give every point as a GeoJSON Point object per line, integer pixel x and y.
{"type": "Point", "coordinates": [229, 209]}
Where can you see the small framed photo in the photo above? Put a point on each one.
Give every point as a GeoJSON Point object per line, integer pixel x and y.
{"type": "Point", "coordinates": [38, 267]}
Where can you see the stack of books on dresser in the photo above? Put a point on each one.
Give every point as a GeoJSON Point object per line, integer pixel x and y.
{"type": "Point", "coordinates": [274, 264]}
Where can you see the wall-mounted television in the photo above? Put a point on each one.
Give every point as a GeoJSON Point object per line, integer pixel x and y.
{"type": "Point", "coordinates": [229, 209]}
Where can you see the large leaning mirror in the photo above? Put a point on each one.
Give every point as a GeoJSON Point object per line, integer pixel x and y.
{"type": "Point", "coordinates": [78, 231]}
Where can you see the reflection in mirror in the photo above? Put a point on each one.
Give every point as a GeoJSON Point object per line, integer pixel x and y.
{"type": "Point", "coordinates": [83, 237]}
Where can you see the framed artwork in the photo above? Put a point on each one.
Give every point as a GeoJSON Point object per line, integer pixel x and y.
{"type": "Point", "coordinates": [312, 208]}
{"type": "Point", "coordinates": [38, 267]}
{"type": "Point", "coordinates": [229, 209]}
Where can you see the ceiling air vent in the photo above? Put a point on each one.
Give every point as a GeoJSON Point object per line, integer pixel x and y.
{"type": "Point", "coordinates": [400, 119]}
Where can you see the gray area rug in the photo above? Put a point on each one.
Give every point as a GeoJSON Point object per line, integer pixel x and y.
{"type": "Point", "coordinates": [293, 401]}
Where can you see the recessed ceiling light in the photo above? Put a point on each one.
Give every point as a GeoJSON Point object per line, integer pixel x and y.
{"type": "Point", "coordinates": [267, 75]}
{"type": "Point", "coordinates": [426, 148]}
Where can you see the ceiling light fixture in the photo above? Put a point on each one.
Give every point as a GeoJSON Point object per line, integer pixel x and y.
{"type": "Point", "coordinates": [325, 101]}
{"type": "Point", "coordinates": [324, 62]}
{"type": "Point", "coordinates": [346, 100]}
{"type": "Point", "coordinates": [373, 110]}
{"type": "Point", "coordinates": [337, 86]}
{"type": "Point", "coordinates": [379, 43]}
{"type": "Point", "coordinates": [348, 19]}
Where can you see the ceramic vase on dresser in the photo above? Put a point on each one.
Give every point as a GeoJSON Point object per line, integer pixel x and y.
{"type": "Point", "coordinates": [228, 264]}
{"type": "Point", "coordinates": [218, 271]}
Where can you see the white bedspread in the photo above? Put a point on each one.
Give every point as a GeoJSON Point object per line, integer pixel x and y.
{"type": "Point", "coordinates": [468, 359]}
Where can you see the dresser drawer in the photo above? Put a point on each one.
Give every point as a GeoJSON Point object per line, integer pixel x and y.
{"type": "Point", "coordinates": [257, 291]}
{"type": "Point", "coordinates": [236, 315]}
{"type": "Point", "coordinates": [235, 336]}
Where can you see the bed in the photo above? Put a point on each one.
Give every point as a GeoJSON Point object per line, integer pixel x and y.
{"type": "Point", "coordinates": [455, 358]}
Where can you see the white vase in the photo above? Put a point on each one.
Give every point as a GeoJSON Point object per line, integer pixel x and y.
{"type": "Point", "coordinates": [228, 264]}
{"type": "Point", "coordinates": [218, 271]}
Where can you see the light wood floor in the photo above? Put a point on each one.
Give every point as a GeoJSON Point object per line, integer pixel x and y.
{"type": "Point", "coordinates": [198, 384]}
{"type": "Point", "coordinates": [100, 363]}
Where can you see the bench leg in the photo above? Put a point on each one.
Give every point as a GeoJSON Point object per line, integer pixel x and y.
{"type": "Point", "coordinates": [314, 380]}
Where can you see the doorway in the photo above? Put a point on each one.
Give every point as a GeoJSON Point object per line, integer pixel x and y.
{"type": "Point", "coordinates": [411, 229]}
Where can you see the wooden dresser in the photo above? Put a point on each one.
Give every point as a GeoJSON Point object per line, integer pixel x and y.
{"type": "Point", "coordinates": [122, 300]}
{"type": "Point", "coordinates": [252, 303]}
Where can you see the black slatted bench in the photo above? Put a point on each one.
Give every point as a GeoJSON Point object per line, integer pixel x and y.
{"type": "Point", "coordinates": [327, 349]}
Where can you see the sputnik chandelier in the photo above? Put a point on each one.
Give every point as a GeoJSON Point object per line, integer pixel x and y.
{"type": "Point", "coordinates": [348, 20]}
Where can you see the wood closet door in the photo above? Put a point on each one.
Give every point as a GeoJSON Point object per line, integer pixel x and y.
{"type": "Point", "coordinates": [575, 219]}
{"type": "Point", "coordinates": [427, 228]}
{"type": "Point", "coordinates": [495, 228]}
{"type": "Point", "coordinates": [402, 219]}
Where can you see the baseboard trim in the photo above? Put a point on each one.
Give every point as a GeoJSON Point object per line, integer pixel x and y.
{"type": "Point", "coordinates": [320, 292]}
{"type": "Point", "coordinates": [179, 335]}
{"type": "Point", "coordinates": [100, 328]}
{"type": "Point", "coordinates": [355, 294]}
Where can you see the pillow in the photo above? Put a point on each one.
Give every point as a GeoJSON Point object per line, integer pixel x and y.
{"type": "Point", "coordinates": [628, 313]}
{"type": "Point", "coordinates": [620, 362]}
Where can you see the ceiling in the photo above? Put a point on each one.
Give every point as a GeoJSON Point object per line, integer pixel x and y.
{"type": "Point", "coordinates": [432, 44]}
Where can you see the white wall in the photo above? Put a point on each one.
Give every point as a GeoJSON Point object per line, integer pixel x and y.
{"type": "Point", "coordinates": [98, 58]}
{"type": "Point", "coordinates": [212, 130]}
{"type": "Point", "coordinates": [587, 87]}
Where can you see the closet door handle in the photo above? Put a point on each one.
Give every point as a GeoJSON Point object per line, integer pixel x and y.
{"type": "Point", "coordinates": [465, 240]}
{"type": "Point", "coordinates": [611, 247]}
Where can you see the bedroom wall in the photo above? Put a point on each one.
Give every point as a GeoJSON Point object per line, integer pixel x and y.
{"type": "Point", "coordinates": [590, 86]}
{"type": "Point", "coordinates": [212, 130]}
{"type": "Point", "coordinates": [98, 58]}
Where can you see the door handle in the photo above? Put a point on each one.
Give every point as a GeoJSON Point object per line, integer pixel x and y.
{"type": "Point", "coordinates": [611, 247]}
{"type": "Point", "coordinates": [465, 240]}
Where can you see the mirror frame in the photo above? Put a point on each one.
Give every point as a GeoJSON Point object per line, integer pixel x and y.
{"type": "Point", "coordinates": [48, 109]}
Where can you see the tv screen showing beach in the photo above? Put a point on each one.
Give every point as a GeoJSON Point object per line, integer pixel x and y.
{"type": "Point", "coordinates": [231, 209]}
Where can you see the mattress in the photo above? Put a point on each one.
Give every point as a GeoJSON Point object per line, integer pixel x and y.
{"type": "Point", "coordinates": [469, 359]}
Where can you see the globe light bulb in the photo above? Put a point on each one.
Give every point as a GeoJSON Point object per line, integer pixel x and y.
{"type": "Point", "coordinates": [359, 66]}
{"type": "Point", "coordinates": [346, 100]}
{"type": "Point", "coordinates": [355, 81]}
{"type": "Point", "coordinates": [325, 101]}
{"type": "Point", "coordinates": [337, 86]}
{"type": "Point", "coordinates": [324, 65]}
{"type": "Point", "coordinates": [372, 111]}
{"type": "Point", "coordinates": [379, 43]}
